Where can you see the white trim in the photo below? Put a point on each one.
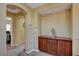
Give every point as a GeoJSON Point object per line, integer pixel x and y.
{"type": "Point", "coordinates": [31, 51]}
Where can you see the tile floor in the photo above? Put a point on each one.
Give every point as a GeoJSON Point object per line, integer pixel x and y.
{"type": "Point", "coordinates": [35, 54]}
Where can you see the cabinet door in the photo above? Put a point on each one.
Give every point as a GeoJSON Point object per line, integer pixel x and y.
{"type": "Point", "coordinates": [64, 48]}
{"type": "Point", "coordinates": [52, 46]}
{"type": "Point", "coordinates": [68, 48]}
{"type": "Point", "coordinates": [61, 48]}
{"type": "Point", "coordinates": [43, 44]}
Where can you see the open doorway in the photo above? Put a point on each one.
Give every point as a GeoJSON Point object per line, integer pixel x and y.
{"type": "Point", "coordinates": [8, 30]}
{"type": "Point", "coordinates": [15, 26]}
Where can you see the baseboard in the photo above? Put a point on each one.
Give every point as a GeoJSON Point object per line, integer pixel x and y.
{"type": "Point", "coordinates": [31, 51]}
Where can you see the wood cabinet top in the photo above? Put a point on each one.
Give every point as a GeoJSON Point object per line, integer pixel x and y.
{"type": "Point", "coordinates": [55, 37]}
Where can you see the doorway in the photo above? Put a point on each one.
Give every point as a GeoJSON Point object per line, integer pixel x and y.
{"type": "Point", "coordinates": [15, 26]}
{"type": "Point", "coordinates": [8, 30]}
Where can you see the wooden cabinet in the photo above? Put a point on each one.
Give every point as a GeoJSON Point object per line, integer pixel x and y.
{"type": "Point", "coordinates": [52, 46]}
{"type": "Point", "coordinates": [64, 48]}
{"type": "Point", "coordinates": [43, 44]}
{"type": "Point", "coordinates": [61, 48]}
{"type": "Point", "coordinates": [56, 46]}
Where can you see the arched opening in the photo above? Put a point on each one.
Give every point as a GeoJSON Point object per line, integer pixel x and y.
{"type": "Point", "coordinates": [15, 26]}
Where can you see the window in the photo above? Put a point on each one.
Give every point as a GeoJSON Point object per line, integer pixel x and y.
{"type": "Point", "coordinates": [8, 27]}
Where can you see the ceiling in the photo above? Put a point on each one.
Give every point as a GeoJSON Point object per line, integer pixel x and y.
{"type": "Point", "coordinates": [55, 10]}
{"type": "Point", "coordinates": [35, 5]}
{"type": "Point", "coordinates": [14, 9]}
{"type": "Point", "coordinates": [47, 10]}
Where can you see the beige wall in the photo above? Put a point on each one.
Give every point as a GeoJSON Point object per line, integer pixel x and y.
{"type": "Point", "coordinates": [75, 18]}
{"type": "Point", "coordinates": [18, 29]}
{"type": "Point", "coordinates": [59, 21]}
{"type": "Point", "coordinates": [2, 29]}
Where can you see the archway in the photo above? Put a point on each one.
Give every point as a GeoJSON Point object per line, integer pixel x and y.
{"type": "Point", "coordinates": [16, 16]}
